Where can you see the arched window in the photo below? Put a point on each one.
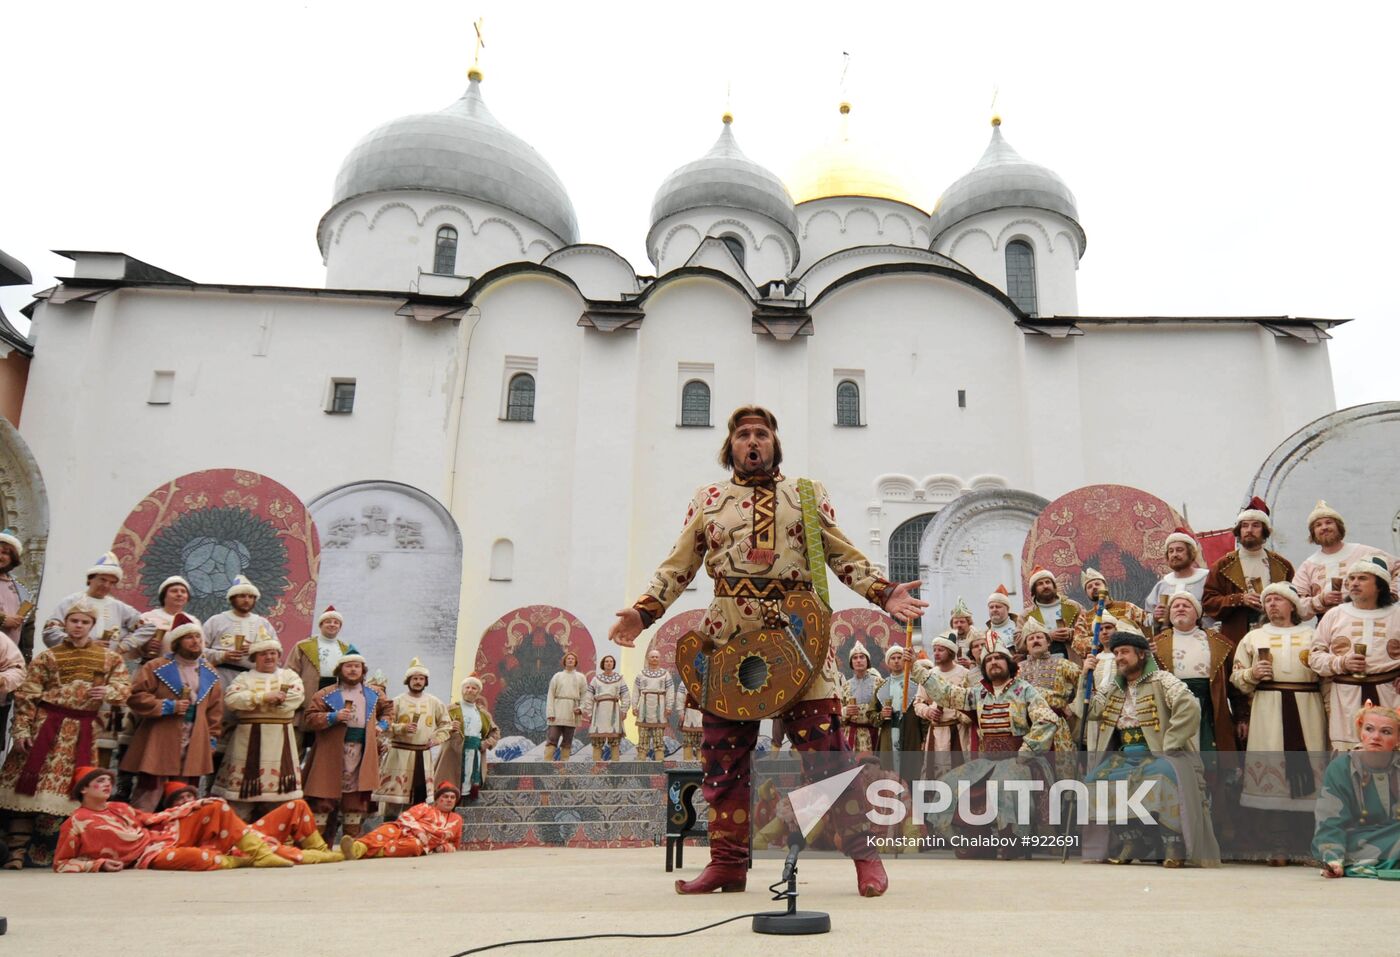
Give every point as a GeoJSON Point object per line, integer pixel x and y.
{"type": "Point", "coordinates": [520, 398]}
{"type": "Point", "coordinates": [445, 253]}
{"type": "Point", "coordinates": [736, 246]}
{"type": "Point", "coordinates": [695, 403]}
{"type": "Point", "coordinates": [904, 549]}
{"type": "Point", "coordinates": [847, 403]}
{"type": "Point", "coordinates": [502, 560]}
{"type": "Point", "coordinates": [1020, 275]}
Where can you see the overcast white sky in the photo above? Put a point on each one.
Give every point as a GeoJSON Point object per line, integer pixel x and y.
{"type": "Point", "coordinates": [1228, 158]}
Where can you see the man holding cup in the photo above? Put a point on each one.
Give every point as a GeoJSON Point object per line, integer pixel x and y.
{"type": "Point", "coordinates": [1233, 593]}
{"type": "Point", "coordinates": [1320, 578]}
{"type": "Point", "coordinates": [1357, 646]}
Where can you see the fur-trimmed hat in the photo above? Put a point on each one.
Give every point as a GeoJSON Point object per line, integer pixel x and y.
{"type": "Point", "coordinates": [447, 786]}
{"type": "Point", "coordinates": [242, 586]}
{"type": "Point", "coordinates": [472, 680]}
{"type": "Point", "coordinates": [1091, 574]}
{"type": "Point", "coordinates": [174, 789]}
{"type": "Point", "coordinates": [172, 580]}
{"type": "Point", "coordinates": [1183, 536]}
{"type": "Point", "coordinates": [85, 775]}
{"type": "Point", "coordinates": [11, 538]}
{"type": "Point", "coordinates": [415, 667]}
{"type": "Point", "coordinates": [1323, 510]}
{"type": "Point", "coordinates": [1039, 572]}
{"type": "Point", "coordinates": [182, 625]}
{"type": "Point", "coordinates": [892, 649]}
{"type": "Point", "coordinates": [1257, 510]}
{"type": "Point", "coordinates": [265, 642]}
{"type": "Point", "coordinates": [1001, 595]}
{"type": "Point", "coordinates": [348, 659]}
{"type": "Point", "coordinates": [1129, 638]}
{"type": "Point", "coordinates": [106, 565]}
{"type": "Point", "coordinates": [943, 641]}
{"type": "Point", "coordinates": [1189, 596]}
{"type": "Point", "coordinates": [1287, 590]}
{"type": "Point", "coordinates": [85, 606]}
{"type": "Point", "coordinates": [330, 612]}
{"type": "Point", "coordinates": [1374, 565]}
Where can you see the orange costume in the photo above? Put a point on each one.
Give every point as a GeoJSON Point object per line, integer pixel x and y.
{"type": "Point", "coordinates": [422, 829]}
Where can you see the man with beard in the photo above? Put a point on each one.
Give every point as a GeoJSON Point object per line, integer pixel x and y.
{"type": "Point", "coordinates": [1134, 720]}
{"type": "Point", "coordinates": [1096, 586]}
{"type": "Point", "coordinates": [1357, 647]}
{"type": "Point", "coordinates": [901, 743]}
{"type": "Point", "coordinates": [1287, 724]}
{"type": "Point", "coordinates": [347, 718]}
{"type": "Point", "coordinates": [1183, 554]}
{"type": "Point", "coordinates": [750, 534]}
{"type": "Point", "coordinates": [1203, 661]}
{"type": "Point", "coordinates": [231, 633]}
{"type": "Point", "coordinates": [1234, 588]}
{"type": "Point", "coordinates": [181, 707]}
{"type": "Point", "coordinates": [420, 724]}
{"type": "Point", "coordinates": [1058, 614]}
{"type": "Point", "coordinates": [1055, 677]}
{"type": "Point", "coordinates": [1000, 622]}
{"type": "Point", "coordinates": [1319, 578]}
{"type": "Point", "coordinates": [1013, 725]}
{"type": "Point", "coordinates": [860, 711]}
{"type": "Point", "coordinates": [1357, 833]}
{"type": "Point", "coordinates": [949, 730]}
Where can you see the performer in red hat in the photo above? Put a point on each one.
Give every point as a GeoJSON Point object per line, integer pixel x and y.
{"type": "Point", "coordinates": [427, 828]}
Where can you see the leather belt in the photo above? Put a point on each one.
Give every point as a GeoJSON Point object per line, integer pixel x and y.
{"type": "Point", "coordinates": [1297, 687]}
{"type": "Point", "coordinates": [1383, 677]}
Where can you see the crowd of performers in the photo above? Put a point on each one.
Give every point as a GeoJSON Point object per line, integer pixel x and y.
{"type": "Point", "coordinates": [161, 741]}
{"type": "Point", "coordinates": [1289, 678]}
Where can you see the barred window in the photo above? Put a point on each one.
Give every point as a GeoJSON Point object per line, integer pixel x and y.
{"type": "Point", "coordinates": [445, 253]}
{"type": "Point", "coordinates": [695, 403]}
{"type": "Point", "coordinates": [904, 549]}
{"type": "Point", "coordinates": [520, 401]}
{"type": "Point", "coordinates": [847, 403]}
{"type": "Point", "coordinates": [1020, 275]}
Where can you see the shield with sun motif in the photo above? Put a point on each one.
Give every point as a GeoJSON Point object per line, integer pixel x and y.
{"type": "Point", "coordinates": [518, 655]}
{"type": "Point", "coordinates": [211, 526]}
{"type": "Point", "coordinates": [1117, 529]}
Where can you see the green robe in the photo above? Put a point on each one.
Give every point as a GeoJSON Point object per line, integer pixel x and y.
{"type": "Point", "coordinates": [1358, 817]}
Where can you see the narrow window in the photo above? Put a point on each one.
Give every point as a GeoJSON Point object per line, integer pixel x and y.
{"type": "Point", "coordinates": [502, 560]}
{"type": "Point", "coordinates": [695, 403]}
{"type": "Point", "coordinates": [847, 403]}
{"type": "Point", "coordinates": [162, 388]}
{"type": "Point", "coordinates": [1020, 275]}
{"type": "Point", "coordinates": [520, 401]}
{"type": "Point", "coordinates": [445, 253]}
{"type": "Point", "coordinates": [962, 398]}
{"type": "Point", "coordinates": [342, 398]}
{"type": "Point", "coordinates": [736, 246]}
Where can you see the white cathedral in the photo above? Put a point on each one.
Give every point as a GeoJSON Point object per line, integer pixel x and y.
{"type": "Point", "coordinates": [562, 407]}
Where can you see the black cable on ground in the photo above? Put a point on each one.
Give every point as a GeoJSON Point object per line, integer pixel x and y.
{"type": "Point", "coordinates": [560, 940]}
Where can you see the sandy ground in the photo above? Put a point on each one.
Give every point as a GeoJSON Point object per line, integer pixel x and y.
{"type": "Point", "coordinates": [440, 906]}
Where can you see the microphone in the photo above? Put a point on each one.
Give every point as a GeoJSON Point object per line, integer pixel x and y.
{"type": "Point", "coordinates": [796, 842]}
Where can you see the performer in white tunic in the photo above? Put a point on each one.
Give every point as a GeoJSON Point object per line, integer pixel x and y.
{"type": "Point", "coordinates": [1319, 579]}
{"type": "Point", "coordinates": [262, 766]}
{"type": "Point", "coordinates": [606, 703]}
{"type": "Point", "coordinates": [563, 707]}
{"type": "Point", "coordinates": [230, 634]}
{"type": "Point", "coordinates": [653, 700]}
{"type": "Point", "coordinates": [1357, 646]}
{"type": "Point", "coordinates": [474, 734]}
{"type": "Point", "coordinates": [1286, 723]}
{"type": "Point", "coordinates": [1000, 621]}
{"type": "Point", "coordinates": [949, 730]}
{"type": "Point", "coordinates": [420, 724]}
{"type": "Point", "coordinates": [1183, 555]}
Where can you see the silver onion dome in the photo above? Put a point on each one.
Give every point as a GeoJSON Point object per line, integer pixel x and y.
{"type": "Point", "coordinates": [1002, 179]}
{"type": "Point", "coordinates": [461, 150]}
{"type": "Point", "coordinates": [725, 177]}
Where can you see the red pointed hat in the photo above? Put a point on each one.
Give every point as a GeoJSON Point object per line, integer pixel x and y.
{"type": "Point", "coordinates": [330, 612]}
{"type": "Point", "coordinates": [1001, 595]}
{"type": "Point", "coordinates": [180, 626]}
{"type": "Point", "coordinates": [1039, 572]}
{"type": "Point", "coordinates": [83, 776]}
{"type": "Point", "coordinates": [1258, 511]}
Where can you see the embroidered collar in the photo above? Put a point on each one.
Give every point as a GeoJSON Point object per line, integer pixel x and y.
{"type": "Point", "coordinates": [1365, 614]}
{"type": "Point", "coordinates": [758, 478]}
{"type": "Point", "coordinates": [609, 678]}
{"type": "Point", "coordinates": [657, 673]}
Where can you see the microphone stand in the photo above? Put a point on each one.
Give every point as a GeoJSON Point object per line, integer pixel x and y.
{"type": "Point", "coordinates": [791, 922]}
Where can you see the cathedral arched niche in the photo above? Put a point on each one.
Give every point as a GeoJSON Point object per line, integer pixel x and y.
{"type": "Point", "coordinates": [517, 656]}
{"type": "Point", "coordinates": [24, 506]}
{"type": "Point", "coordinates": [391, 563]}
{"type": "Point", "coordinates": [973, 545]}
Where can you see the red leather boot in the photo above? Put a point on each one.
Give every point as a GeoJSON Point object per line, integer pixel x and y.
{"type": "Point", "coordinates": [871, 879]}
{"type": "Point", "coordinates": [725, 878]}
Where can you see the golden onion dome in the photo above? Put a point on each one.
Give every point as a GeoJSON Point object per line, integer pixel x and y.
{"type": "Point", "coordinates": [844, 167]}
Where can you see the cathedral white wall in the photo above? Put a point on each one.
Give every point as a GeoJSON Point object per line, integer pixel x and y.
{"type": "Point", "coordinates": [385, 240]}
{"type": "Point", "coordinates": [769, 253]}
{"type": "Point", "coordinates": [979, 243]}
{"type": "Point", "coordinates": [598, 272]}
{"type": "Point", "coordinates": [841, 222]}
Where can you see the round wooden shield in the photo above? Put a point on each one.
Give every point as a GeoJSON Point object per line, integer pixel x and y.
{"type": "Point", "coordinates": [1117, 529]}
{"type": "Point", "coordinates": [761, 673]}
{"type": "Point", "coordinates": [213, 525]}
{"type": "Point", "coordinates": [518, 655]}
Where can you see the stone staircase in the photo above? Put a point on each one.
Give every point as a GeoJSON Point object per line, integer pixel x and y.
{"type": "Point", "coordinates": [542, 804]}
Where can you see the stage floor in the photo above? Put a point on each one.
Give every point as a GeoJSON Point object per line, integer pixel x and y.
{"type": "Point", "coordinates": [438, 906]}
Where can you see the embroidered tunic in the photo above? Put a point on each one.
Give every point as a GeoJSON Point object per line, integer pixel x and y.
{"type": "Point", "coordinates": [653, 697]}
{"type": "Point", "coordinates": [228, 631]}
{"type": "Point", "coordinates": [1286, 714]}
{"type": "Point", "coordinates": [262, 763]}
{"type": "Point", "coordinates": [1315, 575]}
{"type": "Point", "coordinates": [749, 537]}
{"type": "Point", "coordinates": [408, 758]}
{"type": "Point", "coordinates": [115, 620]}
{"type": "Point", "coordinates": [1336, 637]}
{"type": "Point", "coordinates": [861, 728]}
{"type": "Point", "coordinates": [606, 703]}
